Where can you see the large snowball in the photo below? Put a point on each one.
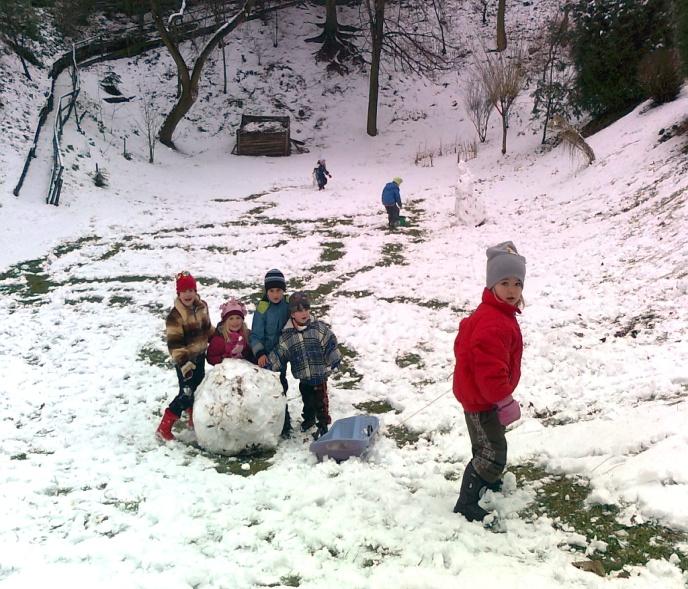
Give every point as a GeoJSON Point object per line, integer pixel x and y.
{"type": "Point", "coordinates": [238, 406]}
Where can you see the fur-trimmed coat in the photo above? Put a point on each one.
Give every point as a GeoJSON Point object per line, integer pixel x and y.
{"type": "Point", "coordinates": [188, 331]}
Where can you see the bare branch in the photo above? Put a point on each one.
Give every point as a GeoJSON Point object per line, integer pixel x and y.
{"type": "Point", "coordinates": [503, 77]}
{"type": "Point", "coordinates": [478, 106]}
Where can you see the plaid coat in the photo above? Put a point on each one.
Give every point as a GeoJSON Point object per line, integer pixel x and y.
{"type": "Point", "coordinates": [188, 331]}
{"type": "Point", "coordinates": [312, 352]}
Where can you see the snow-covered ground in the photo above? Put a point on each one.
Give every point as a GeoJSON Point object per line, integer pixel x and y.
{"type": "Point", "coordinates": [90, 499]}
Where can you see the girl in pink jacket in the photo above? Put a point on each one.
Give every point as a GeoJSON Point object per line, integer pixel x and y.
{"type": "Point", "coordinates": [488, 351]}
{"type": "Point", "coordinates": [231, 338]}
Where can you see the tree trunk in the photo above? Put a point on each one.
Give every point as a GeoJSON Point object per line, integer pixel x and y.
{"type": "Point", "coordinates": [331, 18]}
{"type": "Point", "coordinates": [335, 46]}
{"type": "Point", "coordinates": [377, 28]}
{"type": "Point", "coordinates": [548, 110]}
{"type": "Point", "coordinates": [26, 69]}
{"type": "Point", "coordinates": [505, 126]}
{"type": "Point", "coordinates": [224, 70]}
{"type": "Point", "coordinates": [17, 47]}
{"type": "Point", "coordinates": [179, 110]}
{"type": "Point", "coordinates": [189, 81]}
{"type": "Point", "coordinates": [501, 30]}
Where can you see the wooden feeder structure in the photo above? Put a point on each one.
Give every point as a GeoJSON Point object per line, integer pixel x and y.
{"type": "Point", "coordinates": [263, 135]}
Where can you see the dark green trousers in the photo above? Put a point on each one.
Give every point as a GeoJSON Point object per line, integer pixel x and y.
{"type": "Point", "coordinates": [488, 444]}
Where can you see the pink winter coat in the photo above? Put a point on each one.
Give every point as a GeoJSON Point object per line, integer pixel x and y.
{"type": "Point", "coordinates": [488, 350]}
{"type": "Point", "coordinates": [235, 346]}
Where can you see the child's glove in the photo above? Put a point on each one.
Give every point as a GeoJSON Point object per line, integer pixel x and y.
{"type": "Point", "coordinates": [187, 370]}
{"type": "Point", "coordinates": [508, 410]}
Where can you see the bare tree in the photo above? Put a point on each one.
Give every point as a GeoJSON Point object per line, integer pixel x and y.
{"type": "Point", "coordinates": [481, 6]}
{"type": "Point", "coordinates": [376, 18]}
{"type": "Point", "coordinates": [18, 27]}
{"type": "Point", "coordinates": [478, 106]}
{"type": "Point", "coordinates": [336, 46]}
{"type": "Point", "coordinates": [503, 77]}
{"type": "Point", "coordinates": [413, 39]}
{"type": "Point", "coordinates": [219, 10]}
{"type": "Point", "coordinates": [148, 123]}
{"type": "Point", "coordinates": [554, 86]}
{"type": "Point", "coordinates": [189, 78]}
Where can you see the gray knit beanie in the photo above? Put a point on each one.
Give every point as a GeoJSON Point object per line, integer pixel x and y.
{"type": "Point", "coordinates": [504, 261]}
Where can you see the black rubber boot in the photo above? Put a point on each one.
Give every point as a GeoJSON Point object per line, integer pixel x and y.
{"type": "Point", "coordinates": [286, 428]}
{"type": "Point", "coordinates": [467, 503]}
{"type": "Point", "coordinates": [321, 431]}
{"type": "Point", "coordinates": [307, 424]}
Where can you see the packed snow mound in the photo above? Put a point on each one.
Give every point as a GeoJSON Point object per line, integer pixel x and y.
{"type": "Point", "coordinates": [238, 407]}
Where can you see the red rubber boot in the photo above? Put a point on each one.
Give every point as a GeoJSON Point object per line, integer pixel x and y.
{"type": "Point", "coordinates": [164, 431]}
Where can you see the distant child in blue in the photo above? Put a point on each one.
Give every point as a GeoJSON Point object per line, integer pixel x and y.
{"type": "Point", "coordinates": [320, 172]}
{"type": "Point", "coordinates": [272, 312]}
{"type": "Point", "coordinates": [311, 348]}
{"type": "Point", "coordinates": [391, 198]}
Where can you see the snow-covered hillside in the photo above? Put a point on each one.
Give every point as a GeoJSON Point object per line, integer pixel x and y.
{"type": "Point", "coordinates": [90, 498]}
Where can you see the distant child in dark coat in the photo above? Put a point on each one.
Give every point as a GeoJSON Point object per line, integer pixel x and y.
{"type": "Point", "coordinates": [272, 312]}
{"type": "Point", "coordinates": [311, 348]}
{"type": "Point", "coordinates": [188, 329]}
{"type": "Point", "coordinates": [320, 172]}
{"type": "Point", "coordinates": [488, 351]}
{"type": "Point", "coordinates": [231, 339]}
{"type": "Point", "coordinates": [391, 199]}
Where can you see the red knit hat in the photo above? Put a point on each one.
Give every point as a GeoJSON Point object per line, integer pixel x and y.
{"type": "Point", "coordinates": [185, 282]}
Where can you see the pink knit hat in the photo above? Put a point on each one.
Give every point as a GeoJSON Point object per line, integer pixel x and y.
{"type": "Point", "coordinates": [232, 307]}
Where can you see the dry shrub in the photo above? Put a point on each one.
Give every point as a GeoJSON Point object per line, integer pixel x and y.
{"type": "Point", "coordinates": [467, 150]}
{"type": "Point", "coordinates": [571, 138]}
{"type": "Point", "coordinates": [659, 75]}
{"type": "Point", "coordinates": [478, 107]}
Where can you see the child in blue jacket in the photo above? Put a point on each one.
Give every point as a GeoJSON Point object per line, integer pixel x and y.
{"type": "Point", "coordinates": [320, 172]}
{"type": "Point", "coordinates": [272, 312]}
{"type": "Point", "coordinates": [391, 199]}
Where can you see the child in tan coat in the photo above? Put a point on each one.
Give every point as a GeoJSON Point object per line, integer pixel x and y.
{"type": "Point", "coordinates": [188, 331]}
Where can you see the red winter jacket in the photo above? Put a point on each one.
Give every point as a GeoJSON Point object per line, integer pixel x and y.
{"type": "Point", "coordinates": [488, 350]}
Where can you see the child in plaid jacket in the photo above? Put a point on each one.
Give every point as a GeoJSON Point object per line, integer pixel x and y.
{"type": "Point", "coordinates": [311, 348]}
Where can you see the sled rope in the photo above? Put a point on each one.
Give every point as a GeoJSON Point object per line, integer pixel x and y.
{"type": "Point", "coordinates": [424, 407]}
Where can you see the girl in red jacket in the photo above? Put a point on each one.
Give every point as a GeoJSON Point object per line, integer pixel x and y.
{"type": "Point", "coordinates": [231, 337]}
{"type": "Point", "coordinates": [488, 352]}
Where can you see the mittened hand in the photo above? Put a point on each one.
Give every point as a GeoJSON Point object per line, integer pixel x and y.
{"type": "Point", "coordinates": [237, 348]}
{"type": "Point", "coordinates": [187, 370]}
{"type": "Point", "coordinates": [508, 410]}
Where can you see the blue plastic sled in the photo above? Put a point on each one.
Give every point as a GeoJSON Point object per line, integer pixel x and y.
{"type": "Point", "coordinates": [347, 437]}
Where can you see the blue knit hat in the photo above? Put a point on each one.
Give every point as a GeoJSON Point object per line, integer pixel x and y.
{"type": "Point", "coordinates": [275, 279]}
